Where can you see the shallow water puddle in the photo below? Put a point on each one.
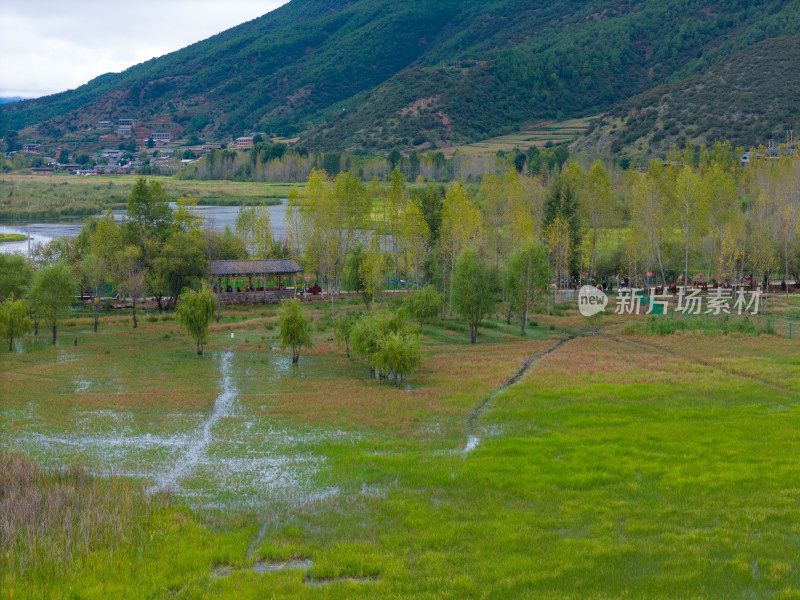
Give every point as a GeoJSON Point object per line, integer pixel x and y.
{"type": "Point", "coordinates": [262, 567]}
{"type": "Point", "coordinates": [199, 447]}
{"type": "Point", "coordinates": [331, 580]}
{"type": "Point", "coordinates": [289, 565]}
{"type": "Point", "coordinates": [472, 442]}
{"type": "Point", "coordinates": [222, 458]}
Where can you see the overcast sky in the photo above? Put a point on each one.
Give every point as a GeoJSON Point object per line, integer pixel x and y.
{"type": "Point", "coordinates": [49, 46]}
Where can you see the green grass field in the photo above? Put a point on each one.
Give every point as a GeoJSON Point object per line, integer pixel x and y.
{"type": "Point", "coordinates": [12, 237]}
{"type": "Point", "coordinates": [51, 197]}
{"type": "Point", "coordinates": [622, 464]}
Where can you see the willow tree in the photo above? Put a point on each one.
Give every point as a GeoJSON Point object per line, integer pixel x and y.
{"type": "Point", "coordinates": [398, 355]}
{"type": "Point", "coordinates": [293, 328]}
{"type": "Point", "coordinates": [14, 320]}
{"type": "Point", "coordinates": [195, 313]}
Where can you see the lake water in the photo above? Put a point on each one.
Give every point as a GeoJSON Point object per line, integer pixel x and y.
{"type": "Point", "coordinates": [217, 218]}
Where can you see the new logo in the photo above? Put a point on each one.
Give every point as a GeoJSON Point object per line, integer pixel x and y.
{"type": "Point", "coordinates": [591, 301]}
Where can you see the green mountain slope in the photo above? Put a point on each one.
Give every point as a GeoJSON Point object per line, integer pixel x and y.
{"type": "Point", "coordinates": [378, 74]}
{"type": "Point", "coordinates": [748, 98]}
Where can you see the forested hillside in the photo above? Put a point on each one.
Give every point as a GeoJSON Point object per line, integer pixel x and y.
{"type": "Point", "coordinates": [380, 74]}
{"type": "Point", "coordinates": [748, 98]}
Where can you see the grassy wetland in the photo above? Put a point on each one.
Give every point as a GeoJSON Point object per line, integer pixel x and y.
{"type": "Point", "coordinates": [621, 462]}
{"type": "Point", "coordinates": [26, 197]}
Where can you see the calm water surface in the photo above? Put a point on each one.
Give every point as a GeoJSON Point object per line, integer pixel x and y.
{"type": "Point", "coordinates": [217, 218]}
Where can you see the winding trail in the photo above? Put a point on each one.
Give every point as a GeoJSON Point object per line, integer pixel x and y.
{"type": "Point", "coordinates": [198, 449]}
{"type": "Point", "coordinates": [473, 439]}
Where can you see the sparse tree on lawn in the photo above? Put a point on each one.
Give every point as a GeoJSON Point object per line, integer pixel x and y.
{"type": "Point", "coordinates": [195, 312]}
{"type": "Point", "coordinates": [473, 294]}
{"type": "Point", "coordinates": [398, 355]}
{"type": "Point", "coordinates": [343, 328]}
{"type": "Point", "coordinates": [92, 270]}
{"type": "Point", "coordinates": [53, 291]}
{"type": "Point", "coordinates": [293, 328]}
{"type": "Point", "coordinates": [14, 320]}
{"type": "Point", "coordinates": [529, 274]}
{"type": "Point", "coordinates": [424, 304]}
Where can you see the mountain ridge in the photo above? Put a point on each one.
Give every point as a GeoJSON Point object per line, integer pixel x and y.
{"type": "Point", "coordinates": [383, 74]}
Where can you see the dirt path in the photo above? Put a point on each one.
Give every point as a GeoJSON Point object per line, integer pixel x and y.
{"type": "Point", "coordinates": [473, 439]}
{"type": "Point", "coordinates": [198, 449]}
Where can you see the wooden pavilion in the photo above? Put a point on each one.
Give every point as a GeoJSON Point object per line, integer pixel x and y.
{"type": "Point", "coordinates": [254, 281]}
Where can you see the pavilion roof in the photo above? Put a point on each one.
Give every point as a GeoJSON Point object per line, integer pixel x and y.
{"type": "Point", "coordinates": [272, 266]}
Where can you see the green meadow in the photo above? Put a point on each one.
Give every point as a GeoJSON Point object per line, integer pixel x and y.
{"type": "Point", "coordinates": [623, 461]}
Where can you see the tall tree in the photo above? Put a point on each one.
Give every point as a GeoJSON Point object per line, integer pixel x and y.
{"type": "Point", "coordinates": [691, 205]}
{"type": "Point", "coordinates": [473, 293]}
{"type": "Point", "coordinates": [558, 240]}
{"type": "Point", "coordinates": [562, 203]}
{"type": "Point", "coordinates": [461, 228]}
{"type": "Point", "coordinates": [53, 291]}
{"type": "Point", "coordinates": [15, 276]}
{"type": "Point", "coordinates": [92, 274]}
{"type": "Point", "coordinates": [650, 212]}
{"type": "Point", "coordinates": [722, 206]}
{"type": "Point", "coordinates": [254, 229]}
{"type": "Point", "coordinates": [529, 274]}
{"type": "Point", "coordinates": [413, 238]}
{"type": "Point", "coordinates": [597, 205]}
{"type": "Point", "coordinates": [186, 217]}
{"type": "Point", "coordinates": [130, 276]}
{"type": "Point", "coordinates": [181, 261]}
{"type": "Point", "coordinates": [394, 208]}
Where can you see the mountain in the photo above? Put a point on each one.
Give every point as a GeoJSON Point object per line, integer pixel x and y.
{"type": "Point", "coordinates": [12, 99]}
{"type": "Point", "coordinates": [380, 74]}
{"type": "Point", "coordinates": [747, 98]}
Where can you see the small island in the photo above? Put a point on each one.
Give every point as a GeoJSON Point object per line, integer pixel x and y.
{"type": "Point", "coordinates": [13, 237]}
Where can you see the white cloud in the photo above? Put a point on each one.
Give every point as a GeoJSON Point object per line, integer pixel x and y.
{"type": "Point", "coordinates": [48, 46]}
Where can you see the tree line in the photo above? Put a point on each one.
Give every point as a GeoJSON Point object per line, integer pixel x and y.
{"type": "Point", "coordinates": [469, 248]}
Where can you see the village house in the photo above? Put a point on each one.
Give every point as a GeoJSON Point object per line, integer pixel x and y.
{"type": "Point", "coordinates": [127, 123]}
{"type": "Point", "coordinates": [30, 148]}
{"type": "Point", "coordinates": [104, 125]}
{"type": "Point", "coordinates": [125, 131]}
{"type": "Point", "coordinates": [244, 142]}
{"type": "Point", "coordinates": [161, 138]}
{"type": "Point", "coordinates": [112, 153]}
